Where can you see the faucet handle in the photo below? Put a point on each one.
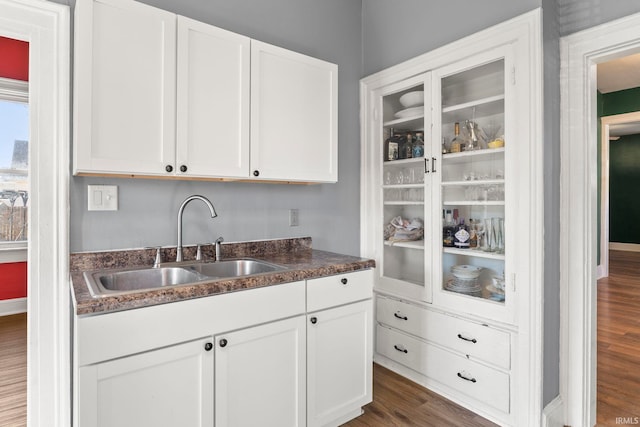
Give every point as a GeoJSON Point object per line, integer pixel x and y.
{"type": "Point", "coordinates": [218, 241]}
{"type": "Point", "coordinates": [158, 259]}
{"type": "Point", "coordinates": [199, 251]}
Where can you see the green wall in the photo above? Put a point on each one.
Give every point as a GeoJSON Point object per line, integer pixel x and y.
{"type": "Point", "coordinates": [624, 170]}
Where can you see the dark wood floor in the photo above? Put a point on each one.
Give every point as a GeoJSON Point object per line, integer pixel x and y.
{"type": "Point", "coordinates": [619, 340]}
{"type": "Point", "coordinates": [13, 370]}
{"type": "Point", "coordinates": [400, 402]}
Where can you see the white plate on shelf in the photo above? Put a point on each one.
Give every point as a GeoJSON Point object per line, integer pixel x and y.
{"type": "Point", "coordinates": [409, 112]}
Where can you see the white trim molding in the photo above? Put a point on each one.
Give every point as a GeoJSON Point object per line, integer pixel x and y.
{"type": "Point", "coordinates": [553, 414]}
{"type": "Point", "coordinates": [13, 306]}
{"type": "Point", "coordinates": [580, 52]}
{"type": "Point", "coordinates": [46, 26]}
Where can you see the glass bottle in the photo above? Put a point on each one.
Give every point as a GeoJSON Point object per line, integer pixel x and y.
{"type": "Point", "coordinates": [448, 229]}
{"type": "Point", "coordinates": [418, 145]}
{"type": "Point", "coordinates": [391, 147]}
{"type": "Point", "coordinates": [407, 149]}
{"type": "Point", "coordinates": [461, 236]}
{"type": "Point", "coordinates": [456, 142]}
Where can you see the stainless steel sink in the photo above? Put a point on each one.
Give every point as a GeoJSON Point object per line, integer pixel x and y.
{"type": "Point", "coordinates": [234, 268]}
{"type": "Point", "coordinates": [135, 280]}
{"type": "Point", "coordinates": [105, 282]}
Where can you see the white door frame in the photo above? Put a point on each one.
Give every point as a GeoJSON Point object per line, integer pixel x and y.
{"type": "Point", "coordinates": [606, 121]}
{"type": "Point", "coordinates": [580, 52]}
{"type": "Point", "coordinates": [45, 26]}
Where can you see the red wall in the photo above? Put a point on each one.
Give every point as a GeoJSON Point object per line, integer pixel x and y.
{"type": "Point", "coordinates": [14, 59]}
{"type": "Point", "coordinates": [14, 64]}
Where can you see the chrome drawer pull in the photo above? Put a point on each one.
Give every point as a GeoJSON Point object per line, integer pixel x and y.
{"type": "Point", "coordinates": [473, 340]}
{"type": "Point", "coordinates": [473, 380]}
{"type": "Point", "coordinates": [400, 317]}
{"type": "Point", "coordinates": [402, 350]}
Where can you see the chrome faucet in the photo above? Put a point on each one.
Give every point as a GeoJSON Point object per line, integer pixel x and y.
{"type": "Point", "coordinates": [180, 211]}
{"type": "Point", "coordinates": [218, 241]}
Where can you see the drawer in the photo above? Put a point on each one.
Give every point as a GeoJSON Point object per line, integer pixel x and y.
{"type": "Point", "coordinates": [331, 291]}
{"type": "Point", "coordinates": [480, 382]}
{"type": "Point", "coordinates": [473, 339]}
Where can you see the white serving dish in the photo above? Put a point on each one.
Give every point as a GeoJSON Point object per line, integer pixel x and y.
{"type": "Point", "coordinates": [466, 271]}
{"type": "Point", "coordinates": [412, 99]}
{"type": "Point", "coordinates": [410, 112]}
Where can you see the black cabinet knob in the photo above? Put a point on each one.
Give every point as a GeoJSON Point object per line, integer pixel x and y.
{"type": "Point", "coordinates": [208, 346]}
{"type": "Point", "coordinates": [314, 320]}
{"type": "Point", "coordinates": [256, 173]}
{"type": "Point", "coordinates": [183, 168]}
{"type": "Point", "coordinates": [223, 342]}
{"type": "Point", "coordinates": [344, 280]}
{"type": "Point", "coordinates": [169, 168]}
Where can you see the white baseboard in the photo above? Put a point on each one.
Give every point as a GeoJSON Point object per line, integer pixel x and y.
{"type": "Point", "coordinates": [13, 306]}
{"type": "Point", "coordinates": [552, 414]}
{"type": "Point", "coordinates": [629, 247]}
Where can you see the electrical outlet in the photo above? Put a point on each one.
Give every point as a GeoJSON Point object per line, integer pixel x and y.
{"type": "Point", "coordinates": [294, 218]}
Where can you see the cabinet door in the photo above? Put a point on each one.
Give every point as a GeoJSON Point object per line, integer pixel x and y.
{"type": "Point", "coordinates": [171, 386]}
{"type": "Point", "coordinates": [213, 101]}
{"type": "Point", "coordinates": [478, 179]}
{"type": "Point", "coordinates": [125, 58]}
{"type": "Point", "coordinates": [294, 128]}
{"type": "Point", "coordinates": [260, 376]}
{"type": "Point", "coordinates": [404, 165]}
{"type": "Point", "coordinates": [339, 346]}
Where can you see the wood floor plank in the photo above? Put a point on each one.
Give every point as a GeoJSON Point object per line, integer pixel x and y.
{"type": "Point", "coordinates": [13, 370]}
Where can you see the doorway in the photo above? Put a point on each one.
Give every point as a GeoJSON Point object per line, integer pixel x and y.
{"type": "Point", "coordinates": [580, 54]}
{"type": "Point", "coordinates": [46, 27]}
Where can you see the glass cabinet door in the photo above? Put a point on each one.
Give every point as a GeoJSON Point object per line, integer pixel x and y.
{"type": "Point", "coordinates": [473, 189]}
{"type": "Point", "coordinates": [402, 153]}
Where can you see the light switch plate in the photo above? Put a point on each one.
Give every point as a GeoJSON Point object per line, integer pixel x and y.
{"type": "Point", "coordinates": [103, 197]}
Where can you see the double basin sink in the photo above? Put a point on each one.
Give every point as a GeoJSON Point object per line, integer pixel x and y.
{"type": "Point", "coordinates": [102, 283]}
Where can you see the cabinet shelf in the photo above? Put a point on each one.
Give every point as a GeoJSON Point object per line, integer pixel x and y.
{"type": "Point", "coordinates": [473, 203]}
{"type": "Point", "coordinates": [414, 244]}
{"type": "Point", "coordinates": [392, 186]}
{"type": "Point", "coordinates": [474, 253]}
{"type": "Point", "coordinates": [483, 107]}
{"type": "Point", "coordinates": [466, 156]}
{"type": "Point", "coordinates": [403, 162]}
{"type": "Point", "coordinates": [404, 203]}
{"type": "Point", "coordinates": [469, 183]}
{"type": "Point", "coordinates": [415, 123]}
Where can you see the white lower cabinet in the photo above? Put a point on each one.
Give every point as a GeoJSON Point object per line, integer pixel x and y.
{"type": "Point", "coordinates": [339, 363]}
{"type": "Point", "coordinates": [259, 357]}
{"type": "Point", "coordinates": [166, 387]}
{"type": "Point", "coordinates": [260, 378]}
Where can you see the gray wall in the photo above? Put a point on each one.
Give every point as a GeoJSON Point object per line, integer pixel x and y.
{"type": "Point", "coordinates": [551, 73]}
{"type": "Point", "coordinates": [394, 31]}
{"type": "Point", "coordinates": [576, 15]}
{"type": "Point", "coordinates": [329, 213]}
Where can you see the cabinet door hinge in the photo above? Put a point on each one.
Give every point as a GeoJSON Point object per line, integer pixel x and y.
{"type": "Point", "coordinates": [375, 114]}
{"type": "Point", "coordinates": [513, 75]}
{"type": "Point", "coordinates": [513, 282]}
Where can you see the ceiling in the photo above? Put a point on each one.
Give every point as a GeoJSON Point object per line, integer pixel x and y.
{"type": "Point", "coordinates": [620, 74]}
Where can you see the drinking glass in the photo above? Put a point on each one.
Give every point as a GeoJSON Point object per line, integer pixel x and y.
{"type": "Point", "coordinates": [489, 240]}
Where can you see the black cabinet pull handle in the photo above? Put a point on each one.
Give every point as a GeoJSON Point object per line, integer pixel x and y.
{"type": "Point", "coordinates": [471, 379]}
{"type": "Point", "coordinates": [426, 165]}
{"type": "Point", "coordinates": [223, 342]}
{"type": "Point", "coordinates": [168, 168]}
{"type": "Point", "coordinates": [344, 280]}
{"type": "Point", "coordinates": [314, 320]}
{"type": "Point", "coordinates": [433, 164]}
{"type": "Point", "coordinates": [473, 340]}
{"type": "Point", "coordinates": [183, 168]}
{"type": "Point", "coordinates": [400, 317]}
{"type": "Point", "coordinates": [256, 173]}
{"type": "Point", "coordinates": [208, 346]}
{"type": "Point", "coordinates": [400, 349]}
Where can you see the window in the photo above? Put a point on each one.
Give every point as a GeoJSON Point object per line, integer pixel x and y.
{"type": "Point", "coordinates": [14, 169]}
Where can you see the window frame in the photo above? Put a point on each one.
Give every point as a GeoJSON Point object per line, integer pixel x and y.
{"type": "Point", "coordinates": [14, 91]}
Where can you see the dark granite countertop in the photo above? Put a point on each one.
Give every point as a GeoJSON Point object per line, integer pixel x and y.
{"type": "Point", "coordinates": [301, 262]}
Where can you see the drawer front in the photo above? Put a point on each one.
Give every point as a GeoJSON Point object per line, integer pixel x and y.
{"type": "Point", "coordinates": [475, 340]}
{"type": "Point", "coordinates": [340, 289]}
{"type": "Point", "coordinates": [475, 380]}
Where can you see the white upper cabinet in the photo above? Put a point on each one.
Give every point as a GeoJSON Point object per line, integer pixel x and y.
{"type": "Point", "coordinates": [213, 101]}
{"type": "Point", "coordinates": [125, 55]}
{"type": "Point", "coordinates": [158, 94]}
{"type": "Point", "coordinates": [294, 132]}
